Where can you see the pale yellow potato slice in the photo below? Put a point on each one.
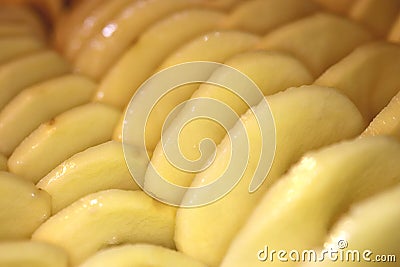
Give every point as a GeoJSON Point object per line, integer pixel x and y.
{"type": "Point", "coordinates": [394, 35]}
{"type": "Point", "coordinates": [71, 21]}
{"type": "Point", "coordinates": [306, 118]}
{"type": "Point", "coordinates": [387, 122]}
{"type": "Point", "coordinates": [215, 46]}
{"type": "Point", "coordinates": [92, 24]}
{"type": "Point", "coordinates": [377, 15]}
{"type": "Point", "coordinates": [319, 41]}
{"type": "Point", "coordinates": [260, 16]}
{"type": "Point", "coordinates": [38, 104]}
{"type": "Point", "coordinates": [371, 225]}
{"type": "Point", "coordinates": [220, 4]}
{"type": "Point", "coordinates": [3, 163]}
{"type": "Point", "coordinates": [13, 47]}
{"type": "Point", "coordinates": [369, 76]}
{"type": "Point", "coordinates": [58, 139]}
{"type": "Point", "coordinates": [105, 48]}
{"type": "Point", "coordinates": [298, 212]}
{"type": "Point", "coordinates": [26, 71]}
{"type": "Point", "coordinates": [32, 254]}
{"type": "Point", "coordinates": [97, 168]}
{"type": "Point", "coordinates": [108, 218]}
{"type": "Point", "coordinates": [340, 6]}
{"type": "Point", "coordinates": [270, 71]}
{"type": "Point", "coordinates": [23, 207]}
{"type": "Point", "coordinates": [119, 85]}
{"type": "Point", "coordinates": [23, 15]}
{"type": "Point", "coordinates": [140, 255]}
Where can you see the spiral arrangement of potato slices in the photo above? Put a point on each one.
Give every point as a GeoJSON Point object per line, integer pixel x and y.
{"type": "Point", "coordinates": [328, 69]}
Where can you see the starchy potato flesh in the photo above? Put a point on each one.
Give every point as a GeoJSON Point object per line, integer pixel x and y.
{"type": "Point", "coordinates": [365, 224]}
{"type": "Point", "coordinates": [32, 254]}
{"type": "Point", "coordinates": [140, 255]}
{"type": "Point", "coordinates": [368, 76]}
{"type": "Point", "coordinates": [326, 48]}
{"type": "Point", "coordinates": [299, 210]}
{"type": "Point", "coordinates": [377, 15]}
{"type": "Point", "coordinates": [26, 71]}
{"type": "Point", "coordinates": [23, 207]}
{"type": "Point", "coordinates": [97, 168]}
{"type": "Point", "coordinates": [35, 156]}
{"type": "Point", "coordinates": [38, 104]}
{"type": "Point", "coordinates": [304, 130]}
{"type": "Point", "coordinates": [387, 122]}
{"type": "Point", "coordinates": [121, 48]}
{"type": "Point", "coordinates": [108, 218]}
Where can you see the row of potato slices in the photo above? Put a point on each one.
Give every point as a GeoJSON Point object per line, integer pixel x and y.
{"type": "Point", "coordinates": [71, 122]}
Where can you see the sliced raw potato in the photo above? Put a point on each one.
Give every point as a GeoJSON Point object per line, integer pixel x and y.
{"type": "Point", "coordinates": [97, 168]}
{"type": "Point", "coordinates": [105, 48]}
{"type": "Point", "coordinates": [58, 139]}
{"type": "Point", "coordinates": [26, 71]}
{"type": "Point", "coordinates": [3, 163]}
{"type": "Point", "coordinates": [38, 104]}
{"type": "Point", "coordinates": [270, 71]}
{"type": "Point", "coordinates": [13, 47]}
{"type": "Point", "coordinates": [23, 207]}
{"type": "Point", "coordinates": [340, 6]}
{"type": "Point", "coordinates": [260, 16]}
{"type": "Point", "coordinates": [377, 15]}
{"type": "Point", "coordinates": [108, 218]}
{"type": "Point", "coordinates": [387, 122]}
{"type": "Point", "coordinates": [371, 225]}
{"type": "Point", "coordinates": [70, 22]}
{"type": "Point", "coordinates": [23, 15]}
{"type": "Point", "coordinates": [315, 40]}
{"type": "Point", "coordinates": [15, 30]}
{"type": "Point", "coordinates": [394, 34]}
{"type": "Point", "coordinates": [216, 47]}
{"type": "Point", "coordinates": [93, 23]}
{"type": "Point", "coordinates": [297, 213]}
{"type": "Point", "coordinates": [369, 76]}
{"type": "Point", "coordinates": [32, 254]}
{"type": "Point", "coordinates": [140, 255]}
{"type": "Point", "coordinates": [143, 58]}
{"type": "Point", "coordinates": [306, 118]}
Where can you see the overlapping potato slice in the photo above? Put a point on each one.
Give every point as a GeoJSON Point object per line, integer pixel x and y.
{"type": "Point", "coordinates": [13, 47]}
{"type": "Point", "coordinates": [24, 16]}
{"type": "Point", "coordinates": [387, 122]}
{"type": "Point", "coordinates": [305, 118]}
{"type": "Point", "coordinates": [97, 168]}
{"type": "Point", "coordinates": [394, 34]}
{"type": "Point", "coordinates": [216, 47]}
{"type": "Point", "coordinates": [22, 207]}
{"type": "Point", "coordinates": [3, 163]}
{"type": "Point", "coordinates": [32, 254]}
{"type": "Point", "coordinates": [319, 41]}
{"type": "Point", "coordinates": [268, 70]}
{"type": "Point", "coordinates": [299, 210]}
{"type": "Point", "coordinates": [369, 76]}
{"type": "Point", "coordinates": [108, 218]}
{"type": "Point", "coordinates": [371, 225]}
{"type": "Point", "coordinates": [340, 6]}
{"type": "Point", "coordinates": [58, 139]}
{"type": "Point", "coordinates": [140, 255]}
{"type": "Point", "coordinates": [143, 58]}
{"type": "Point", "coordinates": [70, 22]}
{"type": "Point", "coordinates": [26, 71]}
{"type": "Point", "coordinates": [260, 16]}
{"type": "Point", "coordinates": [38, 104]}
{"type": "Point", "coordinates": [106, 47]}
{"type": "Point", "coordinates": [377, 15]}
{"type": "Point", "coordinates": [93, 23]}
